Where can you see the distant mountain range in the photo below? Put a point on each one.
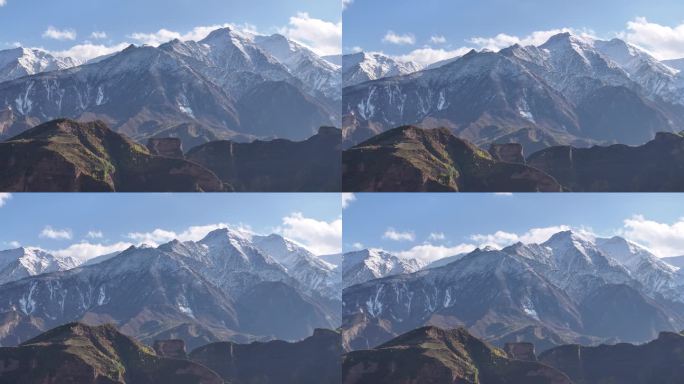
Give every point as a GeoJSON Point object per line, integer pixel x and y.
{"type": "Point", "coordinates": [411, 159]}
{"type": "Point", "coordinates": [434, 355]}
{"type": "Point", "coordinates": [67, 156]}
{"type": "Point", "coordinates": [231, 84]}
{"type": "Point", "coordinates": [77, 353]}
{"type": "Point", "coordinates": [231, 285]}
{"type": "Point", "coordinates": [570, 289]}
{"type": "Point", "coordinates": [568, 91]}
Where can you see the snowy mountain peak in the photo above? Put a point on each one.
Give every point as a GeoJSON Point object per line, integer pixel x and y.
{"type": "Point", "coordinates": [19, 62]}
{"type": "Point", "coordinates": [365, 66]}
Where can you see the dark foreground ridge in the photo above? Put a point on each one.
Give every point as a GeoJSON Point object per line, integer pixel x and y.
{"type": "Point", "coordinates": [77, 353]}
{"type": "Point", "coordinates": [411, 159]}
{"type": "Point", "coordinates": [69, 156]}
{"type": "Point", "coordinates": [432, 355]}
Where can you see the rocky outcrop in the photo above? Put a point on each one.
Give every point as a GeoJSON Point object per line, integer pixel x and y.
{"type": "Point", "coordinates": [174, 349]}
{"type": "Point", "coordinates": [411, 159]}
{"type": "Point", "coordinates": [68, 156]}
{"type": "Point", "coordinates": [660, 361]}
{"type": "Point", "coordinates": [657, 166]}
{"type": "Point", "coordinates": [314, 360]}
{"type": "Point", "coordinates": [312, 165]}
{"type": "Point", "coordinates": [508, 153]}
{"type": "Point", "coordinates": [435, 356]}
{"type": "Point", "coordinates": [520, 351]}
{"type": "Point", "coordinates": [168, 147]}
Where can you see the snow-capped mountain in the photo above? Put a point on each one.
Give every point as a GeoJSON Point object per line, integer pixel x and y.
{"type": "Point", "coordinates": [365, 66]}
{"type": "Point", "coordinates": [368, 264]}
{"type": "Point", "coordinates": [318, 74]}
{"type": "Point", "coordinates": [571, 90]}
{"type": "Point", "coordinates": [20, 62]}
{"type": "Point", "coordinates": [310, 270]}
{"type": "Point", "coordinates": [573, 286]}
{"type": "Point", "coordinates": [224, 286]}
{"type": "Point", "coordinates": [655, 77]}
{"type": "Point", "coordinates": [226, 84]}
{"type": "Point", "coordinates": [654, 273]}
{"type": "Point", "coordinates": [16, 264]}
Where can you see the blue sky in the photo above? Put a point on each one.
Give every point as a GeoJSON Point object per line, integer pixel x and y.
{"type": "Point", "coordinates": [404, 223]}
{"type": "Point", "coordinates": [367, 22]}
{"type": "Point", "coordinates": [59, 221]}
{"type": "Point", "coordinates": [26, 21]}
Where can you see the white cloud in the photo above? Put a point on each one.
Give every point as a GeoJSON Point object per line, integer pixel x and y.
{"type": "Point", "coordinates": [347, 199]}
{"type": "Point", "coordinates": [392, 234]}
{"type": "Point", "coordinates": [358, 246]}
{"type": "Point", "coordinates": [98, 35]}
{"type": "Point", "coordinates": [323, 37]}
{"type": "Point", "coordinates": [88, 51]}
{"type": "Point", "coordinates": [393, 38]}
{"type": "Point", "coordinates": [3, 3]}
{"type": "Point", "coordinates": [502, 239]}
{"type": "Point", "coordinates": [345, 3]}
{"type": "Point", "coordinates": [436, 236]}
{"type": "Point", "coordinates": [193, 233]}
{"type": "Point", "coordinates": [14, 244]}
{"type": "Point", "coordinates": [664, 42]}
{"type": "Point", "coordinates": [503, 40]}
{"type": "Point", "coordinates": [85, 251]}
{"type": "Point", "coordinates": [196, 34]}
{"type": "Point", "coordinates": [321, 237]}
{"type": "Point", "coordinates": [504, 194]}
{"type": "Point", "coordinates": [661, 238]}
{"type": "Point", "coordinates": [95, 234]}
{"type": "Point", "coordinates": [438, 39]}
{"type": "Point", "coordinates": [55, 234]}
{"type": "Point", "coordinates": [427, 55]}
{"type": "Point", "coordinates": [59, 34]}
{"type": "Point", "coordinates": [428, 253]}
{"type": "Point", "coordinates": [4, 197]}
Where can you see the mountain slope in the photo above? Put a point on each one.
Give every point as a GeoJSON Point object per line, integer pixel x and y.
{"type": "Point", "coordinates": [76, 353]}
{"type": "Point", "coordinates": [64, 155]}
{"type": "Point", "coordinates": [552, 293]}
{"type": "Point", "coordinates": [572, 90]}
{"type": "Point", "coordinates": [223, 286]}
{"type": "Point", "coordinates": [431, 355]}
{"type": "Point", "coordinates": [414, 159]}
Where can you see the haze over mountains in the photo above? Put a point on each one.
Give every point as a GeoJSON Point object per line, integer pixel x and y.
{"type": "Point", "coordinates": [231, 285]}
{"type": "Point", "coordinates": [570, 289]}
{"type": "Point", "coordinates": [570, 90]}
{"type": "Point", "coordinates": [230, 85]}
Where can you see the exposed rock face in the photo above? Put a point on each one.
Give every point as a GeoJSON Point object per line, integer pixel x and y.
{"type": "Point", "coordinates": [434, 356]}
{"type": "Point", "coordinates": [168, 147]}
{"type": "Point", "coordinates": [660, 361]}
{"type": "Point", "coordinates": [508, 153]}
{"type": "Point", "coordinates": [67, 156]}
{"type": "Point", "coordinates": [657, 166]}
{"type": "Point", "coordinates": [520, 351]}
{"type": "Point", "coordinates": [76, 353]}
{"type": "Point", "coordinates": [411, 159]}
{"type": "Point", "coordinates": [279, 165]}
{"type": "Point", "coordinates": [314, 360]}
{"type": "Point", "coordinates": [174, 349]}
